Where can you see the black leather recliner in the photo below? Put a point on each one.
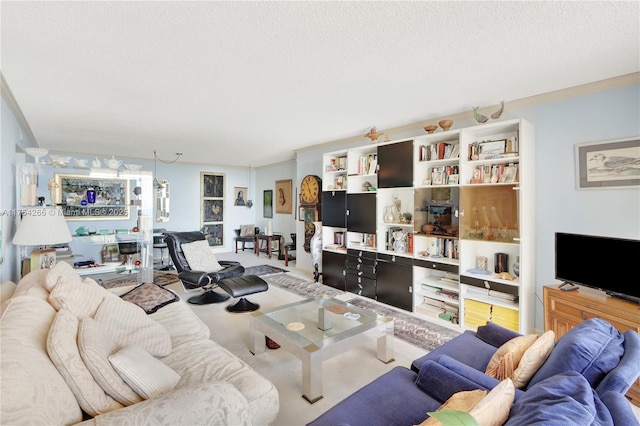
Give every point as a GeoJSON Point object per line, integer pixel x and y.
{"type": "Point", "coordinates": [199, 280]}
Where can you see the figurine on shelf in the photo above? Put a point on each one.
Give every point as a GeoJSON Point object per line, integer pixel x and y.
{"type": "Point", "coordinates": [53, 193]}
{"type": "Point", "coordinates": [373, 134]}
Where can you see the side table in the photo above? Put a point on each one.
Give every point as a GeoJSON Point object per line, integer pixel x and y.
{"type": "Point", "coordinates": [269, 239]}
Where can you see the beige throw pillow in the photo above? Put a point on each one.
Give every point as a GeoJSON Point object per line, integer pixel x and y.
{"type": "Point", "coordinates": [493, 409]}
{"type": "Point", "coordinates": [533, 359]}
{"type": "Point", "coordinates": [95, 347]}
{"type": "Point", "coordinates": [506, 359]}
{"type": "Point", "coordinates": [200, 257]}
{"type": "Point", "coordinates": [247, 230]}
{"type": "Point", "coordinates": [127, 324]}
{"type": "Point", "coordinates": [146, 375]}
{"type": "Point", "coordinates": [63, 350]}
{"type": "Point", "coordinates": [68, 289]}
{"type": "Point", "coordinates": [461, 401]}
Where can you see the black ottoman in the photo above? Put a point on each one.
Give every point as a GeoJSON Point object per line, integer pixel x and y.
{"type": "Point", "coordinates": [241, 286]}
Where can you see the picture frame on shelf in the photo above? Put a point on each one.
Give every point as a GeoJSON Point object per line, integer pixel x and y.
{"type": "Point", "coordinates": [43, 259]}
{"type": "Point", "coordinates": [492, 149]}
{"type": "Point", "coordinates": [112, 197]}
{"type": "Point", "coordinates": [267, 203]}
{"type": "Point", "coordinates": [284, 201]}
{"type": "Point", "coordinates": [608, 164]}
{"type": "Point", "coordinates": [509, 174]}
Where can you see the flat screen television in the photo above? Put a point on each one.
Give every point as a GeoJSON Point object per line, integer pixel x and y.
{"type": "Point", "coordinates": [605, 263]}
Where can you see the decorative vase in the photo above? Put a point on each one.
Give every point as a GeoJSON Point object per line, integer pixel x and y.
{"type": "Point", "coordinates": [315, 246]}
{"type": "Point", "coordinates": [388, 214]}
{"type": "Point", "coordinates": [400, 242]}
{"type": "Point", "coordinates": [516, 267]}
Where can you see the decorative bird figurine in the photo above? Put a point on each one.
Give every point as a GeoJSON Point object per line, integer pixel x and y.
{"type": "Point", "coordinates": [498, 113]}
{"type": "Point", "coordinates": [479, 117]}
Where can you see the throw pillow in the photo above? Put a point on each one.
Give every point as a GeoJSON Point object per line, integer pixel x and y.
{"type": "Point", "coordinates": [63, 350]}
{"type": "Point", "coordinates": [247, 230]}
{"type": "Point", "coordinates": [533, 358]}
{"type": "Point", "coordinates": [505, 360]}
{"type": "Point", "coordinates": [562, 399]}
{"type": "Point", "coordinates": [150, 297]}
{"type": "Point", "coordinates": [493, 409]}
{"type": "Point", "coordinates": [82, 297]}
{"type": "Point", "coordinates": [95, 347]}
{"type": "Point", "coordinates": [127, 324]}
{"type": "Point", "coordinates": [200, 257]}
{"type": "Point", "coordinates": [146, 375]}
{"type": "Point", "coordinates": [592, 348]}
{"type": "Point", "coordinates": [461, 401]}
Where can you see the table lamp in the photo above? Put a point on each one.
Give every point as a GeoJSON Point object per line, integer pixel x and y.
{"type": "Point", "coordinates": [42, 227]}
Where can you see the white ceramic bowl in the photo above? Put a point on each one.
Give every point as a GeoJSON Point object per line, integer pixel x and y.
{"type": "Point", "coordinates": [36, 153]}
{"type": "Point", "coordinates": [133, 167]}
{"type": "Point", "coordinates": [60, 160]}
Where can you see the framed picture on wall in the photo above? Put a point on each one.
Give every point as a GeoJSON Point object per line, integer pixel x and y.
{"type": "Point", "coordinates": [608, 164]}
{"type": "Point", "coordinates": [241, 194]}
{"type": "Point", "coordinates": [212, 207]}
{"type": "Point", "coordinates": [267, 203]}
{"type": "Point", "coordinates": [284, 201]}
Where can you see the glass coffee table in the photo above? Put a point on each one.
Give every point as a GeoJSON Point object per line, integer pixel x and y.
{"type": "Point", "coordinates": [314, 330]}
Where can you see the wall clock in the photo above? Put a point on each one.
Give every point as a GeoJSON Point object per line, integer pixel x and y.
{"type": "Point", "coordinates": [310, 190]}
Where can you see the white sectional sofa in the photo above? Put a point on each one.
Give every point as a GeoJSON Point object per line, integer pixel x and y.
{"type": "Point", "coordinates": [72, 352]}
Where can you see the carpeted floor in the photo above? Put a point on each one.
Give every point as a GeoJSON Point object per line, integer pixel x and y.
{"type": "Point", "coordinates": [421, 333]}
{"type": "Point", "coordinates": [301, 287]}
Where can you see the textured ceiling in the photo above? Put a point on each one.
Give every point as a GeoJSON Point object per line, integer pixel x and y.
{"type": "Point", "coordinates": [247, 83]}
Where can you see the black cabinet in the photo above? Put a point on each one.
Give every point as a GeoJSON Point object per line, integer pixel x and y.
{"type": "Point", "coordinates": [360, 270]}
{"type": "Point", "coordinates": [395, 165]}
{"type": "Point", "coordinates": [394, 281]}
{"type": "Point", "coordinates": [334, 208]}
{"type": "Point", "coordinates": [361, 213]}
{"type": "Point", "coordinates": [333, 269]}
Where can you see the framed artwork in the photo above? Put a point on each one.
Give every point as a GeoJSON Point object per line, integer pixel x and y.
{"type": "Point", "coordinates": [212, 207]}
{"type": "Point", "coordinates": [301, 214]}
{"type": "Point", "coordinates": [212, 185]}
{"type": "Point", "coordinates": [267, 203]}
{"type": "Point", "coordinates": [608, 164]}
{"type": "Point", "coordinates": [110, 197]}
{"type": "Point", "coordinates": [241, 193]}
{"type": "Point", "coordinates": [284, 201]}
{"type": "Point", "coordinates": [214, 234]}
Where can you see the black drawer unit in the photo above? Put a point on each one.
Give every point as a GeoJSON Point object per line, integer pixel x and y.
{"type": "Point", "coordinates": [487, 284]}
{"type": "Point", "coordinates": [360, 267]}
{"type": "Point", "coordinates": [429, 264]}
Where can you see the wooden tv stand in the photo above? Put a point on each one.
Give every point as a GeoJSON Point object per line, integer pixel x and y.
{"type": "Point", "coordinates": [564, 310]}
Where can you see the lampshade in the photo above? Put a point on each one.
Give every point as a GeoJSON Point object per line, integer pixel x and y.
{"type": "Point", "coordinates": [41, 227]}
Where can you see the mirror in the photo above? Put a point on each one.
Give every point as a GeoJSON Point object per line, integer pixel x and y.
{"type": "Point", "coordinates": [162, 200]}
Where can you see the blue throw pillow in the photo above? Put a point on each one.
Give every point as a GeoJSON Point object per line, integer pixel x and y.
{"type": "Point", "coordinates": [563, 399]}
{"type": "Point", "coordinates": [593, 348]}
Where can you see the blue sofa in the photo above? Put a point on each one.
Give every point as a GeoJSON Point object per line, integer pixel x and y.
{"type": "Point", "coordinates": [582, 382]}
